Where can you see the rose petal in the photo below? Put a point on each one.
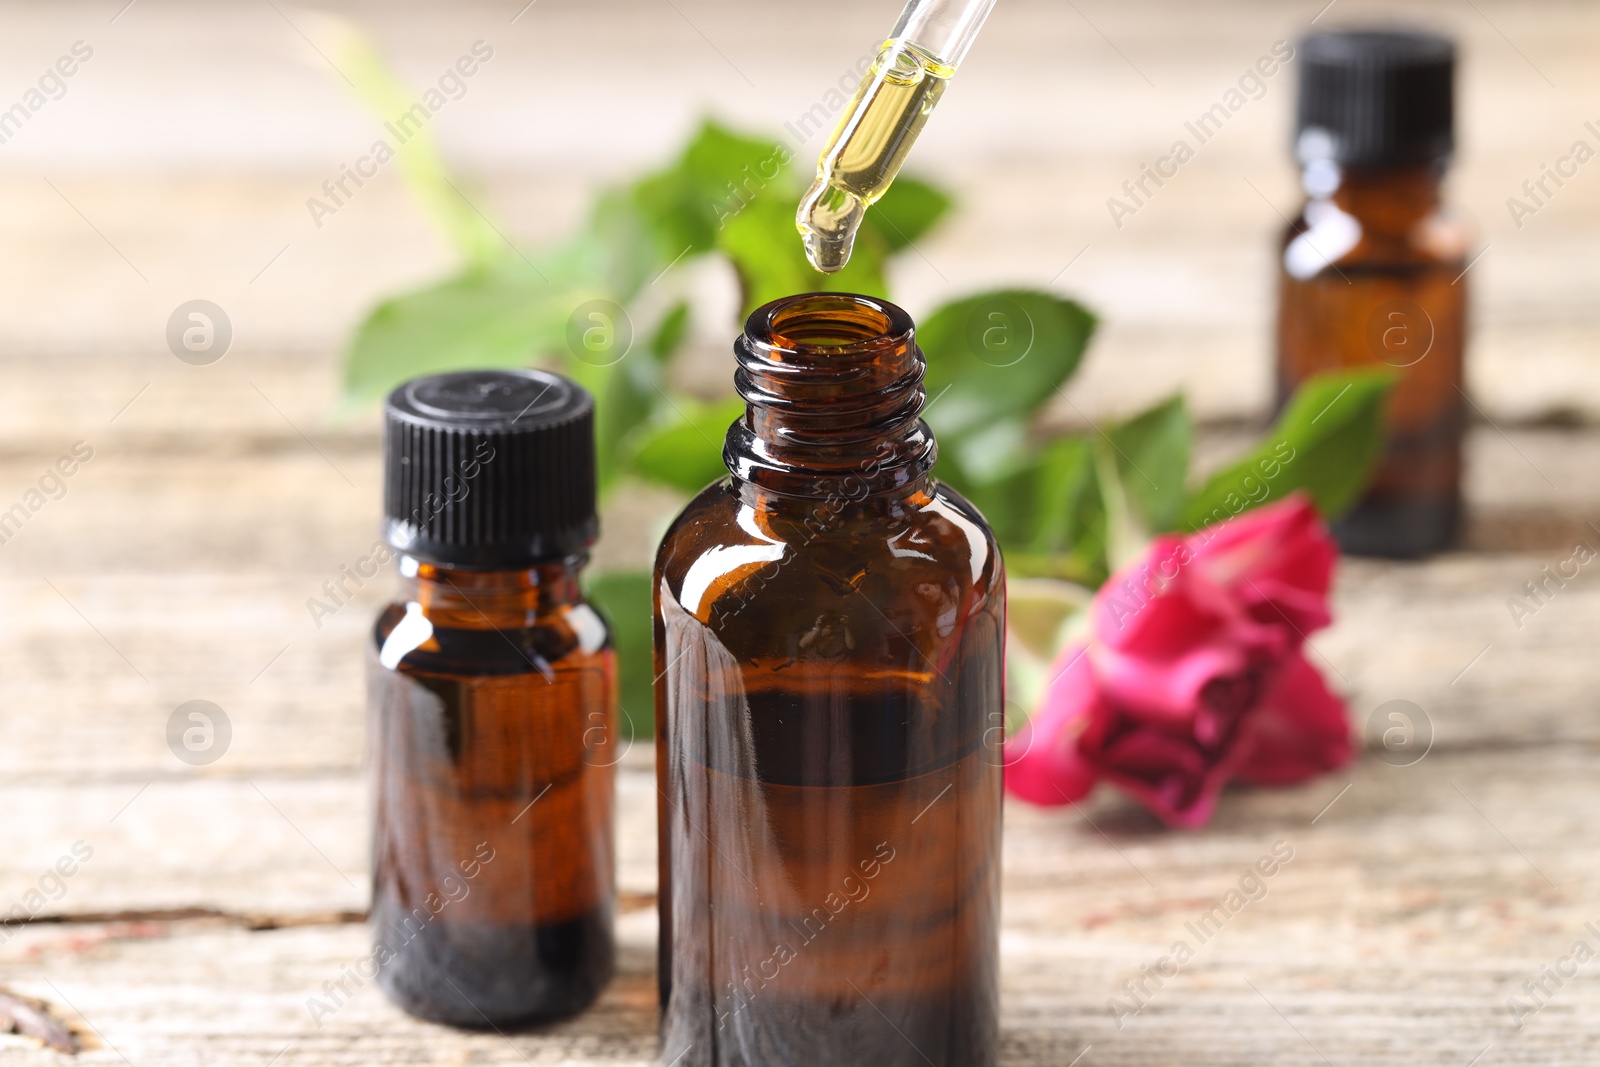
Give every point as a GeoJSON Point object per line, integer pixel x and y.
{"type": "Point", "coordinates": [1299, 731]}
{"type": "Point", "coordinates": [1194, 672]}
{"type": "Point", "coordinates": [1043, 764]}
{"type": "Point", "coordinates": [1276, 604]}
{"type": "Point", "coordinates": [1175, 785]}
{"type": "Point", "coordinates": [1187, 651]}
{"type": "Point", "coordinates": [1279, 556]}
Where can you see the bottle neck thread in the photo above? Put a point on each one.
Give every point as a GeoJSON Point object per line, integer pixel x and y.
{"type": "Point", "coordinates": [833, 388]}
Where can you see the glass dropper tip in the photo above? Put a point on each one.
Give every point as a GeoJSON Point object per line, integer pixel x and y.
{"type": "Point", "coordinates": [828, 219]}
{"type": "Point", "coordinates": [890, 107]}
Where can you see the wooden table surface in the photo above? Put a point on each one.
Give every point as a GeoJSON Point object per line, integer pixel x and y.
{"type": "Point", "coordinates": [218, 899]}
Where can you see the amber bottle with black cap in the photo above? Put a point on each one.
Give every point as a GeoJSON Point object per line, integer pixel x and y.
{"type": "Point", "coordinates": [1373, 270]}
{"type": "Point", "coordinates": [830, 630]}
{"type": "Point", "coordinates": [492, 707]}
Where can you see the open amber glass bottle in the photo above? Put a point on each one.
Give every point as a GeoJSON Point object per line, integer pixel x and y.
{"type": "Point", "coordinates": [1373, 270]}
{"type": "Point", "coordinates": [492, 707]}
{"type": "Point", "coordinates": [830, 648]}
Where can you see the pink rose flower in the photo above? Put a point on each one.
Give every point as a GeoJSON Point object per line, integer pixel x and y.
{"type": "Point", "coordinates": [1194, 673]}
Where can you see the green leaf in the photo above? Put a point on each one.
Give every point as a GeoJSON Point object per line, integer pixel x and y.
{"type": "Point", "coordinates": [623, 597]}
{"type": "Point", "coordinates": [626, 398]}
{"type": "Point", "coordinates": [771, 261]}
{"type": "Point", "coordinates": [1068, 514]}
{"type": "Point", "coordinates": [629, 393]}
{"type": "Point", "coordinates": [685, 450]}
{"type": "Point", "coordinates": [622, 243]}
{"type": "Point", "coordinates": [442, 197]}
{"type": "Point", "coordinates": [999, 355]}
{"type": "Point", "coordinates": [1126, 534]}
{"type": "Point", "coordinates": [759, 237]}
{"type": "Point", "coordinates": [1327, 442]}
{"type": "Point", "coordinates": [1011, 499]}
{"type": "Point", "coordinates": [670, 332]}
{"type": "Point", "coordinates": [674, 213]}
{"type": "Point", "coordinates": [1046, 512]}
{"type": "Point", "coordinates": [718, 171]}
{"type": "Point", "coordinates": [908, 210]}
{"type": "Point", "coordinates": [683, 206]}
{"type": "Point", "coordinates": [499, 318]}
{"type": "Point", "coordinates": [1152, 459]}
{"type": "Point", "coordinates": [993, 452]}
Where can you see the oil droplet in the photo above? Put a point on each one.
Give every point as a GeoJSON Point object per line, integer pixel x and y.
{"type": "Point", "coordinates": [828, 220]}
{"type": "Point", "coordinates": [890, 108]}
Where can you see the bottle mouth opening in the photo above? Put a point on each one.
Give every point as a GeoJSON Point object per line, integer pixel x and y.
{"type": "Point", "coordinates": [833, 388]}
{"type": "Point", "coordinates": [829, 323]}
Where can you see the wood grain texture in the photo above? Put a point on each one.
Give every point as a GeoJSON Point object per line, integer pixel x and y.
{"type": "Point", "coordinates": [112, 656]}
{"type": "Point", "coordinates": [219, 899]}
{"type": "Point", "coordinates": [1395, 933]}
{"type": "Point", "coordinates": [1055, 110]}
{"type": "Point", "coordinates": [1401, 894]}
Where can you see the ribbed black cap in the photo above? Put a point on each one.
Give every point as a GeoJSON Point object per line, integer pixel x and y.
{"type": "Point", "coordinates": [491, 468]}
{"type": "Point", "coordinates": [1374, 98]}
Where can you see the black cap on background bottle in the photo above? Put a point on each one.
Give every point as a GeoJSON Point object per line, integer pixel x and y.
{"type": "Point", "coordinates": [1376, 98]}
{"type": "Point", "coordinates": [492, 468]}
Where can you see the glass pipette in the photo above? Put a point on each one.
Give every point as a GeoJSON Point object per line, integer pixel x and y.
{"type": "Point", "coordinates": [889, 110]}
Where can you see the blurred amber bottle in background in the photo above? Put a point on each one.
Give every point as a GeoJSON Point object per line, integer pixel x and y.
{"type": "Point", "coordinates": [830, 632]}
{"type": "Point", "coordinates": [1372, 271]}
{"type": "Point", "coordinates": [492, 707]}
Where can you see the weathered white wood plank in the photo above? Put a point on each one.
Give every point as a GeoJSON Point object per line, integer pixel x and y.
{"type": "Point", "coordinates": [271, 504]}
{"type": "Point", "coordinates": [179, 563]}
{"type": "Point", "coordinates": [1185, 286]}
{"type": "Point", "coordinates": [1405, 852]}
{"type": "Point", "coordinates": [1439, 635]}
{"type": "Point", "coordinates": [194, 993]}
{"type": "Point", "coordinates": [1395, 934]}
{"type": "Point", "coordinates": [254, 847]}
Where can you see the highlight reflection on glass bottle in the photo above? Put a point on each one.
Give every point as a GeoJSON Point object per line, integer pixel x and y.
{"type": "Point", "coordinates": [829, 638]}
{"type": "Point", "coordinates": [493, 707]}
{"type": "Point", "coordinates": [1374, 270]}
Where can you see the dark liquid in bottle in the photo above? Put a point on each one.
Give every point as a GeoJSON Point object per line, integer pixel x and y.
{"type": "Point", "coordinates": [492, 884]}
{"type": "Point", "coordinates": [835, 861]}
{"type": "Point", "coordinates": [1408, 318]}
{"type": "Point", "coordinates": [830, 633]}
{"type": "Point", "coordinates": [1395, 300]}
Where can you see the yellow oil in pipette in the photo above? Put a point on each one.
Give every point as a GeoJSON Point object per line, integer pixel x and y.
{"type": "Point", "coordinates": [868, 148]}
